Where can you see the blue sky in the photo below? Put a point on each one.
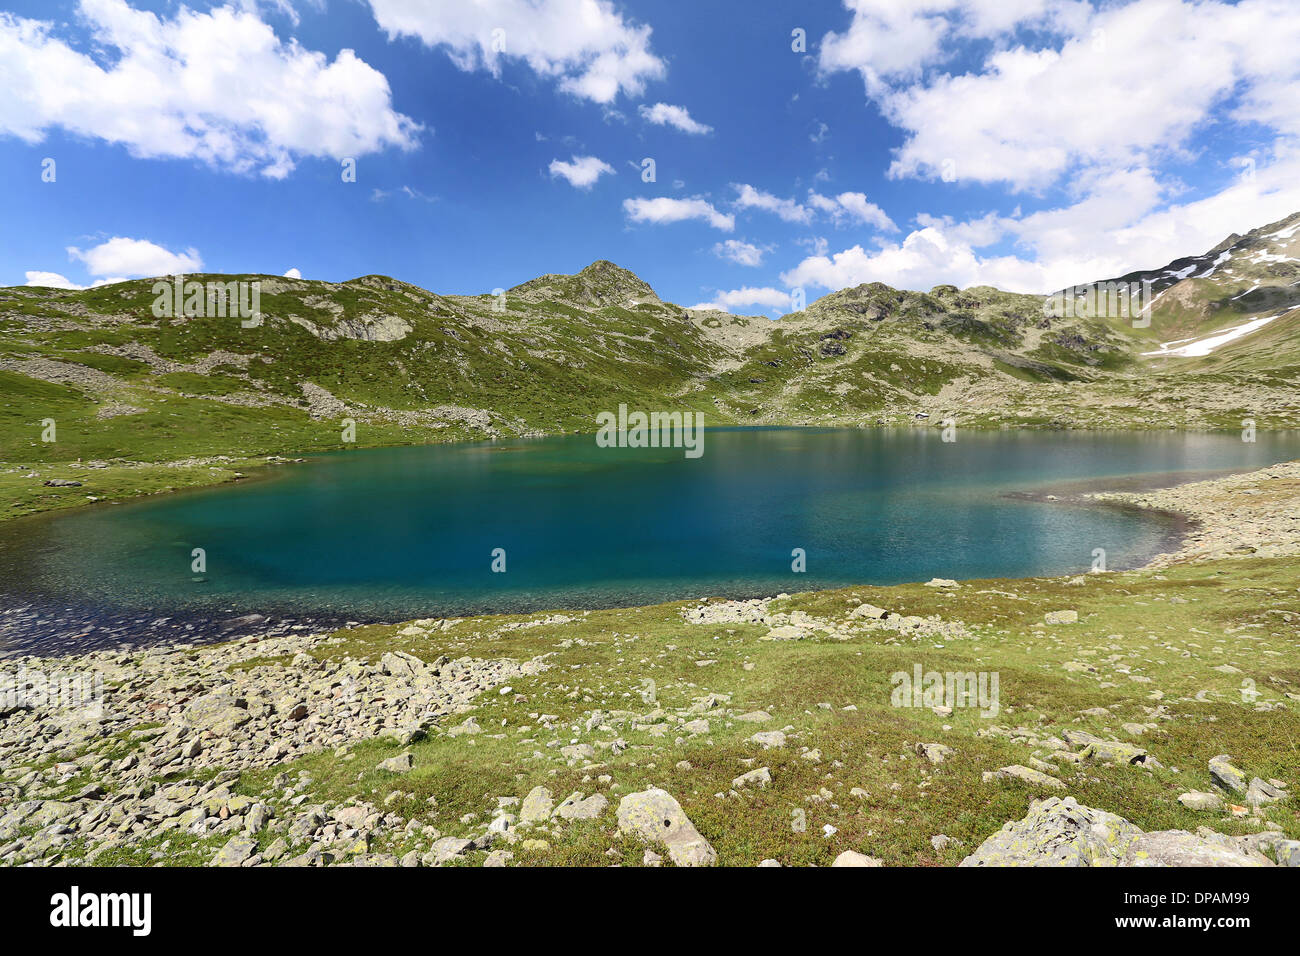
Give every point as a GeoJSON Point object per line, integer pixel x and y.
{"type": "Point", "coordinates": [1022, 144]}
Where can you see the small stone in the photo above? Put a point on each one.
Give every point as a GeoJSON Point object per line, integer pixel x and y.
{"type": "Point", "coordinates": [759, 778]}
{"type": "Point", "coordinates": [1200, 800]}
{"type": "Point", "coordinates": [935, 753]}
{"type": "Point", "coordinates": [854, 858]}
{"type": "Point", "coordinates": [1061, 617]}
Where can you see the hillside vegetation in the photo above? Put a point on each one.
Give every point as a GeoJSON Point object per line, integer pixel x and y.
{"type": "Point", "coordinates": [141, 402]}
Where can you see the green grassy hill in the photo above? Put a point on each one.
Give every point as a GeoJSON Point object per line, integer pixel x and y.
{"type": "Point", "coordinates": [123, 385]}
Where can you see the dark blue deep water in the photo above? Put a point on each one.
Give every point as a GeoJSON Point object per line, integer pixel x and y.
{"type": "Point", "coordinates": [409, 532]}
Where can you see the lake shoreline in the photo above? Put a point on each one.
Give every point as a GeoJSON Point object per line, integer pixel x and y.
{"type": "Point", "coordinates": [250, 469]}
{"type": "Point", "coordinates": [48, 626]}
{"type": "Point", "coordinates": [445, 741]}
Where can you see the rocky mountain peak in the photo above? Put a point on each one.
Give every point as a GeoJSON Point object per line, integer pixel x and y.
{"type": "Point", "coordinates": [598, 285]}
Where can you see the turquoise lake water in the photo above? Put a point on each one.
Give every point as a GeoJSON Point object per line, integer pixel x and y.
{"type": "Point", "coordinates": [410, 532]}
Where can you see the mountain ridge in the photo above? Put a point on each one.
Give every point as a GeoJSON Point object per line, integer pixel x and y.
{"type": "Point", "coordinates": [408, 365]}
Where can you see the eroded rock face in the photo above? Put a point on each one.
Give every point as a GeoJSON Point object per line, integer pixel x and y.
{"type": "Point", "coordinates": [1062, 832]}
{"type": "Point", "coordinates": [656, 817]}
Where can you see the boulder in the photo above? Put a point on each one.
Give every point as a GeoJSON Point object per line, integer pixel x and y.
{"type": "Point", "coordinates": [218, 712]}
{"type": "Point", "coordinates": [575, 807]}
{"type": "Point", "coordinates": [236, 851]}
{"type": "Point", "coordinates": [1201, 800]}
{"type": "Point", "coordinates": [536, 806]}
{"type": "Point", "coordinates": [1261, 793]}
{"type": "Point", "coordinates": [655, 817]}
{"type": "Point", "coordinates": [935, 753]}
{"type": "Point", "coordinates": [854, 858]}
{"type": "Point", "coordinates": [402, 763]}
{"type": "Point", "coordinates": [1227, 777]}
{"type": "Point", "coordinates": [1027, 774]}
{"type": "Point", "coordinates": [869, 611]}
{"type": "Point", "coordinates": [1061, 832]}
{"type": "Point", "coordinates": [1062, 617]}
{"type": "Point", "coordinates": [759, 778]}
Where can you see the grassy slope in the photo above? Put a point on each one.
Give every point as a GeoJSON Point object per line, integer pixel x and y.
{"type": "Point", "coordinates": [125, 387]}
{"type": "Point", "coordinates": [1148, 640]}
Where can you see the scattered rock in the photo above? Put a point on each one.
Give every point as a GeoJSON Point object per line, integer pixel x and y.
{"type": "Point", "coordinates": [854, 858]}
{"type": "Point", "coordinates": [655, 817]}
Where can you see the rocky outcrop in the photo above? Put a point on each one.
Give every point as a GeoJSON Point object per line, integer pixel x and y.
{"type": "Point", "coordinates": [1062, 832]}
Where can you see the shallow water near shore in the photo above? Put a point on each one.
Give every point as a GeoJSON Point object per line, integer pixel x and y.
{"type": "Point", "coordinates": [410, 532]}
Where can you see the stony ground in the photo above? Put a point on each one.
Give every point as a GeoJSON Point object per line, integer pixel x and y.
{"type": "Point", "coordinates": [1139, 718]}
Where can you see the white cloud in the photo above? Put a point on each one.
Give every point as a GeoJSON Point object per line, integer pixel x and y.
{"type": "Point", "coordinates": [584, 45]}
{"type": "Point", "coordinates": [50, 280]}
{"type": "Point", "coordinates": [293, 274]}
{"type": "Point", "coordinates": [56, 280]}
{"type": "Point", "coordinates": [852, 207]}
{"type": "Point", "coordinates": [741, 253]}
{"type": "Point", "coordinates": [1106, 88]}
{"type": "Point", "coordinates": [1118, 225]}
{"type": "Point", "coordinates": [120, 256]}
{"type": "Point", "coordinates": [747, 297]}
{"type": "Point", "coordinates": [787, 209]}
{"type": "Point", "coordinates": [664, 114]}
{"type": "Point", "coordinates": [217, 86]}
{"type": "Point", "coordinates": [665, 210]}
{"type": "Point", "coordinates": [887, 40]}
{"type": "Point", "coordinates": [582, 172]}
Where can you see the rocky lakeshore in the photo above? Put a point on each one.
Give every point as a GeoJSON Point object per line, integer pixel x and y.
{"type": "Point", "coordinates": [1121, 719]}
{"type": "Point", "coordinates": [1257, 513]}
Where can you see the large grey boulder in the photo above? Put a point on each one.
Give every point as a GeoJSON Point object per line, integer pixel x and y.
{"type": "Point", "coordinates": [575, 807]}
{"type": "Point", "coordinates": [218, 712]}
{"type": "Point", "coordinates": [654, 816]}
{"type": "Point", "coordinates": [1063, 832]}
{"type": "Point", "coordinates": [536, 806]}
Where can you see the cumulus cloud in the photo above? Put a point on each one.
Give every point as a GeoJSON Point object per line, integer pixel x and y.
{"type": "Point", "coordinates": [50, 280]}
{"type": "Point", "coordinates": [747, 297]}
{"type": "Point", "coordinates": [586, 46]}
{"type": "Point", "coordinates": [888, 41]}
{"type": "Point", "coordinates": [747, 197]}
{"type": "Point", "coordinates": [1101, 104]}
{"type": "Point", "coordinates": [1094, 89]}
{"type": "Point", "coordinates": [664, 209]}
{"type": "Point", "coordinates": [664, 114]}
{"type": "Point", "coordinates": [741, 253]}
{"type": "Point", "coordinates": [1121, 222]}
{"type": "Point", "coordinates": [853, 208]}
{"type": "Point", "coordinates": [582, 172]}
{"type": "Point", "coordinates": [293, 274]}
{"type": "Point", "coordinates": [217, 86]}
{"type": "Point", "coordinates": [121, 256]}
